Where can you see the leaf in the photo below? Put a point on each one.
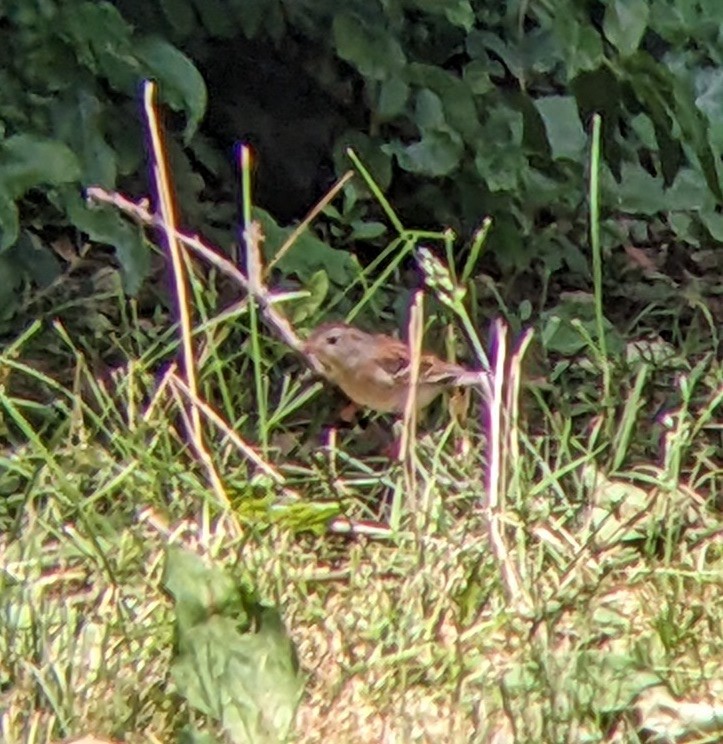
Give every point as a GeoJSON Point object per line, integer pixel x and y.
{"type": "Point", "coordinates": [638, 192]}
{"type": "Point", "coordinates": [180, 83]}
{"type": "Point", "coordinates": [581, 44]}
{"type": "Point", "coordinates": [318, 288]}
{"type": "Point", "coordinates": [102, 41]}
{"type": "Point", "coordinates": [28, 161]}
{"type": "Point", "coordinates": [460, 110]}
{"type": "Point", "coordinates": [457, 12]}
{"type": "Point", "coordinates": [214, 16]}
{"type": "Point", "coordinates": [36, 260]}
{"type": "Point", "coordinates": [78, 121]}
{"type": "Point", "coordinates": [244, 677]}
{"type": "Point", "coordinates": [562, 123]}
{"type": "Point", "coordinates": [179, 14]}
{"type": "Point", "coordinates": [370, 152]}
{"type": "Point", "coordinates": [308, 255]}
{"type": "Point", "coordinates": [438, 154]}
{"type": "Point", "coordinates": [392, 98]}
{"type": "Point", "coordinates": [104, 225]}
{"type": "Point", "coordinates": [709, 100]}
{"type": "Point", "coordinates": [476, 75]}
{"type": "Point", "coordinates": [374, 52]}
{"type": "Point", "coordinates": [362, 230]}
{"type": "Point", "coordinates": [428, 111]}
{"type": "Point", "coordinates": [624, 24]}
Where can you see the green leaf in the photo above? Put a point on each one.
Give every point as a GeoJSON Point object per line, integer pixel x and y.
{"type": "Point", "coordinates": [180, 15]}
{"type": "Point", "coordinates": [392, 98]}
{"type": "Point", "coordinates": [28, 161]}
{"type": "Point", "coordinates": [9, 220]}
{"type": "Point", "coordinates": [244, 677]}
{"type": "Point", "coordinates": [638, 192]}
{"type": "Point", "coordinates": [460, 110]}
{"type": "Point", "coordinates": [362, 230]}
{"type": "Point", "coordinates": [562, 123]}
{"type": "Point", "coordinates": [370, 152]}
{"type": "Point", "coordinates": [200, 591]}
{"type": "Point", "coordinates": [318, 288]}
{"type": "Point", "coordinates": [308, 255]}
{"type": "Point", "coordinates": [709, 100]}
{"type": "Point", "coordinates": [428, 111]}
{"type": "Point", "coordinates": [104, 225]}
{"type": "Point", "coordinates": [438, 154]}
{"type": "Point", "coordinates": [457, 12]}
{"type": "Point", "coordinates": [102, 41]}
{"type": "Point", "coordinates": [180, 83]}
{"type": "Point", "coordinates": [78, 121]}
{"type": "Point", "coordinates": [476, 75]}
{"type": "Point", "coordinates": [36, 260]}
{"type": "Point", "coordinates": [624, 24]}
{"type": "Point", "coordinates": [215, 18]}
{"type": "Point", "coordinates": [581, 44]}
{"type": "Point", "coordinates": [373, 51]}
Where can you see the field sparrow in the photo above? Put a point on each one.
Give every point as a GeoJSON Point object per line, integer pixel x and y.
{"type": "Point", "coordinates": [373, 369]}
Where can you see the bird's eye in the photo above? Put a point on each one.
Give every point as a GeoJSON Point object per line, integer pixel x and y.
{"type": "Point", "coordinates": [331, 340]}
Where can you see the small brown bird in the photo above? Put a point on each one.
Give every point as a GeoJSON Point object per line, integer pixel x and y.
{"type": "Point", "coordinates": [373, 369]}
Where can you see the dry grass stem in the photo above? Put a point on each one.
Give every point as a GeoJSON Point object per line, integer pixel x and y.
{"type": "Point", "coordinates": [168, 225]}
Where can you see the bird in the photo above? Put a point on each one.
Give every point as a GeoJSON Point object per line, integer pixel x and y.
{"type": "Point", "coordinates": [373, 369]}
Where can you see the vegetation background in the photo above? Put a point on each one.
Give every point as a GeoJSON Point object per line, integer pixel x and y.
{"type": "Point", "coordinates": [610, 249]}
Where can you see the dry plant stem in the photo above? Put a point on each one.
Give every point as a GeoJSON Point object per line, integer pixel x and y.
{"type": "Point", "coordinates": [495, 479]}
{"type": "Point", "coordinates": [279, 324]}
{"type": "Point", "coordinates": [204, 456]}
{"type": "Point", "coordinates": [310, 217]}
{"type": "Point", "coordinates": [168, 224]}
{"type": "Point", "coordinates": [513, 402]}
{"type": "Point", "coordinates": [407, 450]}
{"type": "Point", "coordinates": [247, 450]}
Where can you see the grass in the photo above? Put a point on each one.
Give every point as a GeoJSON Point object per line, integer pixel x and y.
{"type": "Point", "coordinates": [575, 600]}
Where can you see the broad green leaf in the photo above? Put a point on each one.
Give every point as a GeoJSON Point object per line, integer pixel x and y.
{"type": "Point", "coordinates": [200, 590]}
{"type": "Point", "coordinates": [243, 675]}
{"type": "Point", "coordinates": [460, 110]}
{"type": "Point", "coordinates": [215, 18]}
{"type": "Point", "coordinates": [373, 51]}
{"type": "Point", "coordinates": [105, 225]}
{"type": "Point", "coordinates": [370, 152]}
{"type": "Point", "coordinates": [308, 255]}
{"type": "Point", "coordinates": [643, 126]}
{"type": "Point", "coordinates": [437, 154]}
{"type": "Point", "coordinates": [392, 98]}
{"type": "Point", "coordinates": [179, 13]}
{"type": "Point", "coordinates": [581, 45]}
{"type": "Point", "coordinates": [318, 288]}
{"type": "Point", "coordinates": [624, 24]}
{"type": "Point", "coordinates": [362, 230]}
{"type": "Point", "coordinates": [713, 223]}
{"type": "Point", "coordinates": [9, 220]}
{"type": "Point", "coordinates": [562, 123]}
{"type": "Point", "coordinates": [78, 121]}
{"type": "Point", "coordinates": [638, 192]}
{"type": "Point", "coordinates": [102, 41]}
{"type": "Point", "coordinates": [457, 12]}
{"type": "Point", "coordinates": [689, 191]}
{"type": "Point", "coordinates": [428, 112]}
{"type": "Point", "coordinates": [10, 297]}
{"type": "Point", "coordinates": [35, 259]}
{"type": "Point", "coordinates": [709, 99]}
{"type": "Point", "coordinates": [180, 83]}
{"type": "Point", "coordinates": [28, 161]}
{"type": "Point", "coordinates": [476, 75]}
